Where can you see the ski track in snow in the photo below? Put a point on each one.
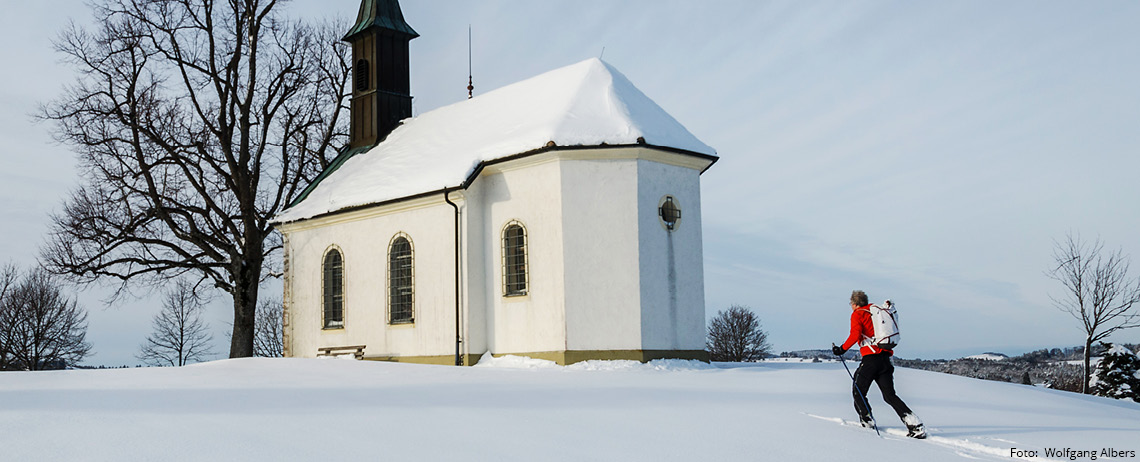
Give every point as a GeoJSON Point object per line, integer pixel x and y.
{"type": "Point", "coordinates": [963, 447]}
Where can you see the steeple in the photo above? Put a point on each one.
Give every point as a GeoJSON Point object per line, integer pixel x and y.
{"type": "Point", "coordinates": [381, 89]}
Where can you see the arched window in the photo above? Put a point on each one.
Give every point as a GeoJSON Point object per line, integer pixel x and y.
{"type": "Point", "coordinates": [362, 75]}
{"type": "Point", "coordinates": [514, 260]}
{"type": "Point", "coordinates": [401, 280]}
{"type": "Point", "coordinates": [333, 290]}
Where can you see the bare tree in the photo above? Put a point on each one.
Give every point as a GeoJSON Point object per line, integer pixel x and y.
{"type": "Point", "coordinates": [195, 122]}
{"type": "Point", "coordinates": [9, 274]}
{"type": "Point", "coordinates": [180, 337]}
{"type": "Point", "coordinates": [40, 327]}
{"type": "Point", "coordinates": [268, 329]}
{"type": "Point", "coordinates": [1099, 291]}
{"type": "Point", "coordinates": [735, 335]}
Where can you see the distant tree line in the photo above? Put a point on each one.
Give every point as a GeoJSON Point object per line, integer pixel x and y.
{"type": "Point", "coordinates": [1056, 368]}
{"type": "Point", "coordinates": [1057, 375]}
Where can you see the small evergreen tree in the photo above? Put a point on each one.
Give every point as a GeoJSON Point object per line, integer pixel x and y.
{"type": "Point", "coordinates": [735, 335]}
{"type": "Point", "coordinates": [1117, 375]}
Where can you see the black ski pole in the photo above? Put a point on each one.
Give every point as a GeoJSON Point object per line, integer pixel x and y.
{"type": "Point", "coordinates": [855, 389]}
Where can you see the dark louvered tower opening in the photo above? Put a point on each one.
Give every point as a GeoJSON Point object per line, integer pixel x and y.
{"type": "Point", "coordinates": [381, 95]}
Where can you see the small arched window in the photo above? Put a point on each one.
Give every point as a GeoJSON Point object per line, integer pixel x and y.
{"type": "Point", "coordinates": [401, 281]}
{"type": "Point", "coordinates": [362, 74]}
{"type": "Point", "coordinates": [333, 290]}
{"type": "Point", "coordinates": [514, 260]}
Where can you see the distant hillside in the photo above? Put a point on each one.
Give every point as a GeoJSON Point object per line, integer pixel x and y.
{"type": "Point", "coordinates": [1057, 368]}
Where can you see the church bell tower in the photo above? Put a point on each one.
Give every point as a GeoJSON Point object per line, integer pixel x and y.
{"type": "Point", "coordinates": [381, 91]}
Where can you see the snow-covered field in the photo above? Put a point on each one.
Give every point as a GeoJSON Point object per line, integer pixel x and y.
{"type": "Point", "coordinates": [989, 357]}
{"type": "Point", "coordinates": [517, 409]}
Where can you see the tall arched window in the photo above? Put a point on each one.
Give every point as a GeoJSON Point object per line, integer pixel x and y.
{"type": "Point", "coordinates": [401, 281]}
{"type": "Point", "coordinates": [333, 290]}
{"type": "Point", "coordinates": [514, 260]}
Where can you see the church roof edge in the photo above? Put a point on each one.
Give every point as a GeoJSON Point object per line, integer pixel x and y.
{"type": "Point", "coordinates": [475, 174]}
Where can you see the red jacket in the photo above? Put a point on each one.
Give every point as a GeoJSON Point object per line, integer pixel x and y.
{"type": "Point", "coordinates": [862, 330]}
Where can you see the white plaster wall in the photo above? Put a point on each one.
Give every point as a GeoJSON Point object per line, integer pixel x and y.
{"type": "Point", "coordinates": [474, 254]}
{"type": "Point", "coordinates": [364, 245]}
{"type": "Point", "coordinates": [603, 272]}
{"type": "Point", "coordinates": [528, 192]}
{"type": "Point", "coordinates": [600, 219]}
{"type": "Point", "coordinates": [672, 262]}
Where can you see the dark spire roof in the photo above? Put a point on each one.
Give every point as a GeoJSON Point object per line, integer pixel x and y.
{"type": "Point", "coordinates": [384, 14]}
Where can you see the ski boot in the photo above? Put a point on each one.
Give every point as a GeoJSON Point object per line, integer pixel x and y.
{"type": "Point", "coordinates": [867, 422]}
{"type": "Point", "coordinates": [914, 426]}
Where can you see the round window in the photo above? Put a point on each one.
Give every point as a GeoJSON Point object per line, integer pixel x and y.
{"type": "Point", "coordinates": [669, 210]}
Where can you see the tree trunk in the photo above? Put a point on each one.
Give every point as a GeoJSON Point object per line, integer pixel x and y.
{"type": "Point", "coordinates": [245, 304]}
{"type": "Point", "coordinates": [1088, 351]}
{"type": "Point", "coordinates": [246, 279]}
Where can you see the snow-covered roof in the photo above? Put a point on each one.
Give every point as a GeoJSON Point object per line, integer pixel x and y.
{"type": "Point", "coordinates": [585, 104]}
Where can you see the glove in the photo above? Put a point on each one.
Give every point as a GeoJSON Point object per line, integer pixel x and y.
{"type": "Point", "coordinates": [839, 351]}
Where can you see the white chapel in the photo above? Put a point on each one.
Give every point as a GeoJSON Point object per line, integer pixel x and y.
{"type": "Point", "coordinates": [557, 218]}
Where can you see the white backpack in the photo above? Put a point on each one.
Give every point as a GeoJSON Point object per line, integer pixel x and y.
{"type": "Point", "coordinates": [886, 322]}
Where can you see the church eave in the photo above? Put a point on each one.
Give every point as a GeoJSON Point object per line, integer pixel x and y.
{"type": "Point", "coordinates": [479, 168]}
{"type": "Point", "coordinates": [342, 157]}
{"type": "Point", "coordinates": [482, 165]}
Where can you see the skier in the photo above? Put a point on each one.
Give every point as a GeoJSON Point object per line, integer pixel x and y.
{"type": "Point", "coordinates": [876, 366]}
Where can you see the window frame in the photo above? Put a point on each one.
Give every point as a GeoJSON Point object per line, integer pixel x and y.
{"type": "Point", "coordinates": [326, 323]}
{"type": "Point", "coordinates": [411, 282]}
{"type": "Point", "coordinates": [674, 210]}
{"type": "Point", "coordinates": [506, 265]}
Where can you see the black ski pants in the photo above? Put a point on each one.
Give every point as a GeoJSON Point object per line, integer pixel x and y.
{"type": "Point", "coordinates": [878, 369]}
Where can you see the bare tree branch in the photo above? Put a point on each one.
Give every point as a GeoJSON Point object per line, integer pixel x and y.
{"type": "Point", "coordinates": [267, 339]}
{"type": "Point", "coordinates": [195, 122]}
{"type": "Point", "coordinates": [40, 328]}
{"type": "Point", "coordinates": [1099, 292]}
{"type": "Point", "coordinates": [735, 335]}
{"type": "Point", "coordinates": [180, 336]}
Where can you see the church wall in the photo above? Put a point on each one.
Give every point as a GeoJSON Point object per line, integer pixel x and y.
{"type": "Point", "coordinates": [474, 254]}
{"type": "Point", "coordinates": [600, 218]}
{"type": "Point", "coordinates": [363, 238]}
{"type": "Point", "coordinates": [605, 278]}
{"type": "Point", "coordinates": [672, 264]}
{"type": "Point", "coordinates": [529, 193]}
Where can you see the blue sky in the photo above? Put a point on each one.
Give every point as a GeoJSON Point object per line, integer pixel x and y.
{"type": "Point", "coordinates": [927, 152]}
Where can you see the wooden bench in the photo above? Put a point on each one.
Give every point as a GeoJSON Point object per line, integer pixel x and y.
{"type": "Point", "coordinates": [357, 351]}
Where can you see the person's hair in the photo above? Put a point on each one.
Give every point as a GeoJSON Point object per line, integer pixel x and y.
{"type": "Point", "coordinates": [859, 298]}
